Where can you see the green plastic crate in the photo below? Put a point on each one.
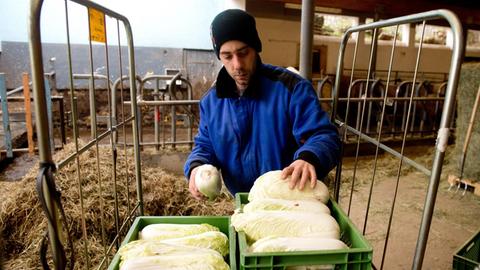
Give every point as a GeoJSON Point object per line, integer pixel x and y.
{"type": "Point", "coordinates": [221, 222]}
{"type": "Point", "coordinates": [358, 256]}
{"type": "Point", "coordinates": [468, 256]}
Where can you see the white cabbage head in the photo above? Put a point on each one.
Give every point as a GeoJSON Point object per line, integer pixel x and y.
{"type": "Point", "coordinates": [149, 255]}
{"type": "Point", "coordinates": [271, 185]}
{"type": "Point", "coordinates": [208, 181]}
{"type": "Point", "coordinates": [161, 231]}
{"type": "Point", "coordinates": [283, 244]}
{"type": "Point", "coordinates": [261, 224]}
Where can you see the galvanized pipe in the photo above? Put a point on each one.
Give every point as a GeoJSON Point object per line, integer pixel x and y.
{"type": "Point", "coordinates": [443, 134]}
{"type": "Point", "coordinates": [41, 109]}
{"type": "Point", "coordinates": [45, 154]}
{"type": "Point", "coordinates": [306, 38]}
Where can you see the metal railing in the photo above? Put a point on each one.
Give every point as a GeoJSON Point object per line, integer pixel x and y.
{"type": "Point", "coordinates": [408, 97]}
{"type": "Point", "coordinates": [46, 186]}
{"type": "Point", "coordinates": [25, 115]}
{"type": "Point", "coordinates": [168, 97]}
{"type": "Point", "coordinates": [427, 97]}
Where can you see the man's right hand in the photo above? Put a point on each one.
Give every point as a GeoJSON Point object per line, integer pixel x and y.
{"type": "Point", "coordinates": [192, 187]}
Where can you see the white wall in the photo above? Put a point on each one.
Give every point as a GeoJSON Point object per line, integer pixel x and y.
{"type": "Point", "coordinates": [178, 24]}
{"type": "Point", "coordinates": [280, 41]}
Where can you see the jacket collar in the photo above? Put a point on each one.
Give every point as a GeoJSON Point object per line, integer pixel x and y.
{"type": "Point", "coordinates": [226, 87]}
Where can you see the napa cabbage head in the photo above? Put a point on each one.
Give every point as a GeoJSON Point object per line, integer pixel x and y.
{"type": "Point", "coordinates": [285, 244]}
{"type": "Point", "coordinates": [261, 224]}
{"type": "Point", "coordinates": [143, 255]}
{"type": "Point", "coordinates": [162, 231]}
{"type": "Point", "coordinates": [270, 185]}
{"type": "Point", "coordinates": [208, 181]}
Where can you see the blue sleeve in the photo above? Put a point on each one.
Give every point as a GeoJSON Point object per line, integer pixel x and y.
{"type": "Point", "coordinates": [315, 134]}
{"type": "Point", "coordinates": [202, 152]}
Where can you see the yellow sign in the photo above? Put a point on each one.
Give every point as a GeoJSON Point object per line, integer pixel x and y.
{"type": "Point", "coordinates": [97, 25]}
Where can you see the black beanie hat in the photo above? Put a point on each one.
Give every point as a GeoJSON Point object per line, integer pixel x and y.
{"type": "Point", "coordinates": [234, 24]}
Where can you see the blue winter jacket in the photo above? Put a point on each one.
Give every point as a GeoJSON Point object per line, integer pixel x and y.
{"type": "Point", "coordinates": [277, 120]}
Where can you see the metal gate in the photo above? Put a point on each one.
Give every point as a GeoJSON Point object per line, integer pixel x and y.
{"type": "Point", "coordinates": [101, 146]}
{"type": "Point", "coordinates": [355, 112]}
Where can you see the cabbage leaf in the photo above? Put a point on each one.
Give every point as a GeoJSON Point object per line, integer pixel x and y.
{"type": "Point", "coordinates": [271, 185]}
{"type": "Point", "coordinates": [286, 205]}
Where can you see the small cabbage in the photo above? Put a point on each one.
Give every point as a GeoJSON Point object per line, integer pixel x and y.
{"type": "Point", "coordinates": [208, 181]}
{"type": "Point", "coordinates": [149, 255]}
{"type": "Point", "coordinates": [286, 205]}
{"type": "Point", "coordinates": [261, 224]}
{"type": "Point", "coordinates": [162, 231]}
{"type": "Point", "coordinates": [271, 185]}
{"type": "Point", "coordinates": [282, 244]}
{"type": "Point", "coordinates": [217, 241]}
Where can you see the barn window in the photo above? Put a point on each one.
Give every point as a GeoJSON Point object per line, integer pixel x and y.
{"type": "Point", "coordinates": [385, 33]}
{"type": "Point", "coordinates": [473, 39]}
{"type": "Point", "coordinates": [436, 35]}
{"type": "Point", "coordinates": [332, 25]}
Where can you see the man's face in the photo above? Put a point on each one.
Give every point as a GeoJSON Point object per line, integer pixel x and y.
{"type": "Point", "coordinates": [240, 61]}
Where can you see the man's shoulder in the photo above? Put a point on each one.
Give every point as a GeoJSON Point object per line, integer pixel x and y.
{"type": "Point", "coordinates": [210, 95]}
{"type": "Point", "coordinates": [282, 75]}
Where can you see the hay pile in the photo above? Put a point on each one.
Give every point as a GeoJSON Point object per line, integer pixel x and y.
{"type": "Point", "coordinates": [466, 93]}
{"type": "Point", "coordinates": [22, 222]}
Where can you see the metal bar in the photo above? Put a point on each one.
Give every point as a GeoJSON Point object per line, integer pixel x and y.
{"type": "Point", "coordinates": [164, 102]}
{"type": "Point", "coordinates": [95, 76]}
{"type": "Point", "coordinates": [133, 93]}
{"type": "Point", "coordinates": [61, 109]}
{"type": "Point", "coordinates": [5, 117]}
{"type": "Point", "coordinates": [116, 238]}
{"type": "Point", "coordinates": [190, 115]}
{"type": "Point", "coordinates": [167, 143]}
{"type": "Point", "coordinates": [362, 114]}
{"type": "Point", "coordinates": [379, 133]}
{"type": "Point", "coordinates": [91, 88]}
{"type": "Point", "coordinates": [338, 172]}
{"type": "Point", "coordinates": [399, 171]}
{"type": "Point", "coordinates": [84, 148]}
{"type": "Point", "coordinates": [442, 139]}
{"type": "Point", "coordinates": [157, 116]}
{"type": "Point", "coordinates": [384, 147]}
{"type": "Point", "coordinates": [306, 38]}
{"type": "Point", "coordinates": [73, 101]}
{"type": "Point", "coordinates": [173, 124]}
{"type": "Point", "coordinates": [17, 90]}
{"type": "Point", "coordinates": [45, 155]}
{"type": "Point", "coordinates": [111, 105]}
{"type": "Point", "coordinates": [24, 150]}
{"type": "Point", "coordinates": [18, 99]}
{"type": "Point", "coordinates": [28, 114]}
{"type": "Point", "coordinates": [122, 111]}
{"type": "Point", "coordinates": [443, 133]}
{"type": "Point", "coordinates": [48, 93]}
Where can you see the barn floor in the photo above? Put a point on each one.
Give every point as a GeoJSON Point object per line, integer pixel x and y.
{"type": "Point", "coordinates": [455, 218]}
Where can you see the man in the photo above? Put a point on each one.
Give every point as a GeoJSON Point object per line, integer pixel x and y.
{"type": "Point", "coordinates": [257, 117]}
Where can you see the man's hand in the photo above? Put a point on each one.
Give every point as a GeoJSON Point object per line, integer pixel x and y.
{"type": "Point", "coordinates": [192, 187]}
{"type": "Point", "coordinates": [301, 172]}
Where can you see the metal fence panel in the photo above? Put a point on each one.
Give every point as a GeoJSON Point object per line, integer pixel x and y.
{"type": "Point", "coordinates": [357, 104]}
{"type": "Point", "coordinates": [50, 198]}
